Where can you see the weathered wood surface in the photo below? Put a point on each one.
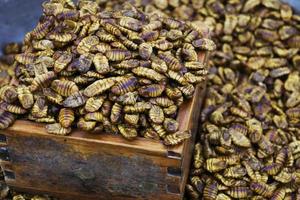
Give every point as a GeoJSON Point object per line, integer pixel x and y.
{"type": "Point", "coordinates": [99, 166]}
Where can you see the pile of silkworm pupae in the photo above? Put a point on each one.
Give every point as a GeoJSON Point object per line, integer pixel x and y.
{"type": "Point", "coordinates": [122, 72]}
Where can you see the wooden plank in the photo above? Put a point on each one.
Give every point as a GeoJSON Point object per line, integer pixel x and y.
{"type": "Point", "coordinates": [142, 145]}
{"type": "Point", "coordinates": [75, 166]}
{"type": "Point", "coordinates": [65, 196]}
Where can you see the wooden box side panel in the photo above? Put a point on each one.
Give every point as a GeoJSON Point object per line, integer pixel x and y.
{"type": "Point", "coordinates": [85, 168]}
{"type": "Point", "coordinates": [193, 125]}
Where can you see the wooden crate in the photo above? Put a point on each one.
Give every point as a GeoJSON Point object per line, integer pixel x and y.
{"type": "Point", "coordinates": [99, 166]}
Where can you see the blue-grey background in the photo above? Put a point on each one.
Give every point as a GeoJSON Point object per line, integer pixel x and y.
{"type": "Point", "coordinates": [20, 16]}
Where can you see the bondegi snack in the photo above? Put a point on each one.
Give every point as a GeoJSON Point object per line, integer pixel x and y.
{"type": "Point", "coordinates": [253, 39]}
{"type": "Point", "coordinates": [122, 72]}
{"type": "Point", "coordinates": [248, 147]}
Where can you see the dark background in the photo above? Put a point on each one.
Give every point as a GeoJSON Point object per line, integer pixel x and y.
{"type": "Point", "coordinates": [18, 17]}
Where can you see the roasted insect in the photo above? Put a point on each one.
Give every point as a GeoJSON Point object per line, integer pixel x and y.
{"type": "Point", "coordinates": [249, 123]}
{"type": "Point", "coordinates": [176, 138]}
{"type": "Point", "coordinates": [66, 117]}
{"type": "Point", "coordinates": [57, 129]}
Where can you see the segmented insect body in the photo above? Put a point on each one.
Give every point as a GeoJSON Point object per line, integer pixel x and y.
{"type": "Point", "coordinates": [62, 61]}
{"type": "Point", "coordinates": [95, 116]}
{"type": "Point", "coordinates": [197, 183]}
{"type": "Point", "coordinates": [210, 191]}
{"type": "Point", "coordinates": [130, 23]}
{"type": "Point", "coordinates": [98, 87]}
{"type": "Point", "coordinates": [66, 117]}
{"type": "Point", "coordinates": [272, 169]}
{"type": "Point", "coordinates": [191, 192]}
{"type": "Point", "coordinates": [145, 50]}
{"type": "Point", "coordinates": [239, 192]}
{"type": "Point", "coordinates": [153, 25]}
{"type": "Point", "coordinates": [255, 129]}
{"type": "Point", "coordinates": [117, 54]}
{"type": "Point", "coordinates": [162, 101]}
{"type": "Point", "coordinates": [192, 78]}
{"type": "Point", "coordinates": [128, 64]}
{"type": "Point", "coordinates": [93, 104]}
{"type": "Point", "coordinates": [86, 125]}
{"type": "Point", "coordinates": [177, 77]}
{"type": "Point", "coordinates": [64, 87]}
{"type": "Point", "coordinates": [25, 58]}
{"type": "Point", "coordinates": [194, 65]}
{"type": "Point", "coordinates": [130, 98]}
{"type": "Point", "coordinates": [68, 15]}
{"type": "Point", "coordinates": [129, 44]}
{"type": "Point", "coordinates": [57, 129]}
{"type": "Point", "coordinates": [19, 197]}
{"type": "Point", "coordinates": [105, 37]}
{"type": "Point", "coordinates": [159, 129]}
{"type": "Point", "coordinates": [215, 164]}
{"type": "Point", "coordinates": [124, 86]}
{"type": "Point", "coordinates": [42, 29]}
{"type": "Point", "coordinates": [127, 132]}
{"type": "Point", "coordinates": [12, 108]}
{"type": "Point", "coordinates": [43, 44]}
{"type": "Point", "coordinates": [198, 156]}
{"type": "Point", "coordinates": [6, 119]}
{"type": "Point", "coordinates": [149, 35]}
{"type": "Point", "coordinates": [52, 96]}
{"type": "Point", "coordinates": [284, 176]}
{"type": "Point", "coordinates": [39, 108]}
{"type": "Point", "coordinates": [204, 44]}
{"type": "Point", "coordinates": [75, 100]}
{"type": "Point", "coordinates": [235, 172]}
{"type": "Point", "coordinates": [25, 97]}
{"type": "Point", "coordinates": [171, 125]}
{"type": "Point", "coordinates": [158, 65]}
{"type": "Point", "coordinates": [101, 64]}
{"type": "Point", "coordinates": [150, 133]}
{"type": "Point", "coordinates": [153, 90]}
{"type": "Point", "coordinates": [101, 48]}
{"type": "Point", "coordinates": [222, 196]}
{"type": "Point", "coordinates": [61, 37]}
{"type": "Point", "coordinates": [52, 8]}
{"type": "Point", "coordinates": [239, 138]}
{"type": "Point", "coordinates": [118, 45]}
{"type": "Point", "coordinates": [156, 114]}
{"type": "Point", "coordinates": [42, 81]}
{"type": "Point", "coordinates": [131, 119]}
{"type": "Point", "coordinates": [172, 62]}
{"type": "Point", "coordinates": [116, 113]}
{"type": "Point", "coordinates": [173, 93]}
{"type": "Point", "coordinates": [188, 52]}
{"type": "Point", "coordinates": [187, 90]}
{"type": "Point", "coordinates": [106, 108]}
{"type": "Point", "coordinates": [176, 138]}
{"type": "Point", "coordinates": [148, 73]}
{"type": "Point", "coordinates": [87, 43]}
{"type": "Point", "coordinates": [8, 94]}
{"type": "Point", "coordinates": [139, 107]}
{"type": "Point", "coordinates": [163, 44]}
{"type": "Point", "coordinates": [261, 188]}
{"type": "Point", "coordinates": [279, 194]}
{"type": "Point", "coordinates": [112, 29]}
